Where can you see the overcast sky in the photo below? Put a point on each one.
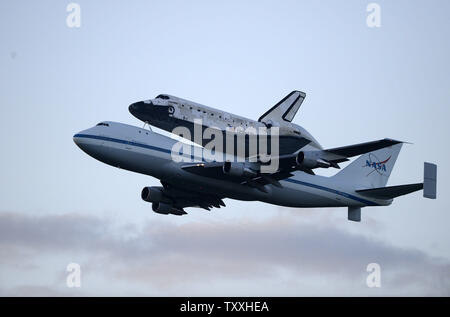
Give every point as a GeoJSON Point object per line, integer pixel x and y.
{"type": "Point", "coordinates": [59, 205]}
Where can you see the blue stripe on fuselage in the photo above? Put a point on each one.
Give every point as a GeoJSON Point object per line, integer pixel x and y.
{"type": "Point", "coordinates": [99, 137]}
{"type": "Point", "coordinates": [291, 180]}
{"type": "Point", "coordinates": [334, 191]}
{"type": "Point", "coordinates": [145, 146]}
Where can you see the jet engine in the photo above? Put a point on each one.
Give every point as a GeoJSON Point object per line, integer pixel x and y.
{"type": "Point", "coordinates": [310, 161]}
{"type": "Point", "coordinates": [161, 208]}
{"type": "Point", "coordinates": [160, 204]}
{"type": "Point", "coordinates": [165, 209]}
{"type": "Point", "coordinates": [152, 194]}
{"type": "Point", "coordinates": [238, 170]}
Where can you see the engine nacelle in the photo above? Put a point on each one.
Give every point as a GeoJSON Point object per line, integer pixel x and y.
{"type": "Point", "coordinates": [162, 208]}
{"type": "Point", "coordinates": [238, 170]}
{"type": "Point", "coordinates": [165, 209]}
{"type": "Point", "coordinates": [160, 203]}
{"type": "Point", "coordinates": [309, 160]}
{"type": "Point", "coordinates": [152, 194]}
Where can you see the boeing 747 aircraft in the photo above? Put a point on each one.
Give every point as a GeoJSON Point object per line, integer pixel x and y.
{"type": "Point", "coordinates": [197, 181]}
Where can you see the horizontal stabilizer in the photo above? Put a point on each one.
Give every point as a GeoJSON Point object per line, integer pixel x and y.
{"type": "Point", "coordinates": [428, 186]}
{"type": "Point", "coordinates": [358, 149]}
{"type": "Point", "coordinates": [391, 191]}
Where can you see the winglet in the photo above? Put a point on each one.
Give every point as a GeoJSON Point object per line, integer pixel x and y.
{"type": "Point", "coordinates": [429, 180]}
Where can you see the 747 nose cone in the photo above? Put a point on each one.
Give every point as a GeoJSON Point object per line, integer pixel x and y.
{"type": "Point", "coordinates": [76, 139]}
{"type": "Point", "coordinates": [80, 138]}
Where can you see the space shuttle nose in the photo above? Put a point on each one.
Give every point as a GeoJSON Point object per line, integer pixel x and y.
{"type": "Point", "coordinates": [139, 107]}
{"type": "Point", "coordinates": [140, 110]}
{"type": "Point", "coordinates": [134, 107]}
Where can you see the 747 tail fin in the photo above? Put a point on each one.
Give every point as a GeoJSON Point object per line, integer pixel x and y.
{"type": "Point", "coordinates": [371, 170]}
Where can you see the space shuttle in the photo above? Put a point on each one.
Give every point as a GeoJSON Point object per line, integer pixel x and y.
{"type": "Point", "coordinates": [297, 150]}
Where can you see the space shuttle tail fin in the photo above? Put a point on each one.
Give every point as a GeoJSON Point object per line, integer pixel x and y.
{"type": "Point", "coordinates": [285, 109]}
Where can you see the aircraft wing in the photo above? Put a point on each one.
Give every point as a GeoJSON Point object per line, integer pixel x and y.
{"type": "Point", "coordinates": [251, 173]}
{"type": "Point", "coordinates": [291, 144]}
{"type": "Point", "coordinates": [182, 198]}
{"type": "Point", "coordinates": [258, 180]}
{"type": "Point", "coordinates": [361, 148]}
{"type": "Point", "coordinates": [341, 154]}
{"type": "Point", "coordinates": [212, 169]}
{"type": "Point", "coordinates": [265, 179]}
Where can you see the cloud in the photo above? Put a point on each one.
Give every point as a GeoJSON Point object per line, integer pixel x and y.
{"type": "Point", "coordinates": [278, 256]}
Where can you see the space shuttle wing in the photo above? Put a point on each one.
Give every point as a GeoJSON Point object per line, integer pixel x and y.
{"type": "Point", "coordinates": [286, 109]}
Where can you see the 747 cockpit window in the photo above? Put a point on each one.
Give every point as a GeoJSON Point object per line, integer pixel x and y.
{"type": "Point", "coordinates": [162, 97]}
{"type": "Point", "coordinates": [102, 123]}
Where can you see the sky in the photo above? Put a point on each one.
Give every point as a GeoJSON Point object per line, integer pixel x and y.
{"type": "Point", "coordinates": [59, 205]}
